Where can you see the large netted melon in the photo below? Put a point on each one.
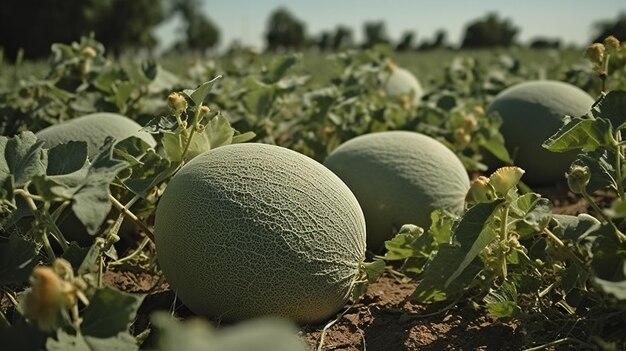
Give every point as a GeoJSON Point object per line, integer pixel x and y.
{"type": "Point", "coordinates": [531, 112]}
{"type": "Point", "coordinates": [249, 230]}
{"type": "Point", "coordinates": [399, 177]}
{"type": "Point", "coordinates": [399, 82]}
{"type": "Point", "coordinates": [94, 129]}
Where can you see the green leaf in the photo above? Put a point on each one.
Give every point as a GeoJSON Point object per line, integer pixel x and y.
{"type": "Point", "coordinates": [502, 302]}
{"type": "Point", "coordinates": [374, 270]}
{"type": "Point", "coordinates": [109, 313]}
{"type": "Point", "coordinates": [475, 231]}
{"type": "Point", "coordinates": [278, 67]}
{"type": "Point", "coordinates": [91, 199]}
{"type": "Point", "coordinates": [259, 97]}
{"type": "Point", "coordinates": [198, 95]}
{"type": "Point", "coordinates": [131, 149]}
{"type": "Point", "coordinates": [572, 228]}
{"type": "Point", "coordinates": [441, 224]}
{"type": "Point", "coordinates": [219, 132]}
{"type": "Point", "coordinates": [78, 342]}
{"type": "Point", "coordinates": [617, 289]}
{"type": "Point", "coordinates": [152, 171]}
{"type": "Point", "coordinates": [532, 213]}
{"type": "Point", "coordinates": [409, 242]}
{"type": "Point", "coordinates": [432, 287]}
{"type": "Point", "coordinates": [600, 163]}
{"type": "Point", "coordinates": [22, 156]}
{"type": "Point", "coordinates": [51, 190]}
{"type": "Point", "coordinates": [67, 158]}
{"type": "Point", "coordinates": [17, 260]}
{"type": "Point", "coordinates": [584, 134]}
{"type": "Point", "coordinates": [612, 107]}
{"type": "Point", "coordinates": [242, 138]}
{"type": "Point", "coordinates": [264, 334]}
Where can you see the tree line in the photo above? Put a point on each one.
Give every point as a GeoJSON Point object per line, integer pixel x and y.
{"type": "Point", "coordinates": [32, 25]}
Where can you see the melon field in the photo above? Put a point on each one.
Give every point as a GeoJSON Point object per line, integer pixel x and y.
{"type": "Point", "coordinates": [360, 200]}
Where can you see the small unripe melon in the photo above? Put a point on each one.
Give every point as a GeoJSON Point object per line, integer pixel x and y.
{"type": "Point", "coordinates": [401, 82]}
{"type": "Point", "coordinates": [94, 129]}
{"type": "Point", "coordinates": [531, 112]}
{"type": "Point", "coordinates": [399, 177]}
{"type": "Point", "coordinates": [248, 230]}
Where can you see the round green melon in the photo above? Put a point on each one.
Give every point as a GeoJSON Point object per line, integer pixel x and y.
{"type": "Point", "coordinates": [401, 82]}
{"type": "Point", "coordinates": [249, 230]}
{"type": "Point", "coordinates": [94, 129]}
{"type": "Point", "coordinates": [531, 112]}
{"type": "Point", "coordinates": [399, 177]}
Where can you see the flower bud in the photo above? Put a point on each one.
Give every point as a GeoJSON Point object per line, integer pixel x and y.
{"type": "Point", "coordinates": [89, 52]}
{"type": "Point", "coordinates": [480, 191]}
{"type": "Point", "coordinates": [47, 298]}
{"type": "Point", "coordinates": [595, 53]}
{"type": "Point", "coordinates": [577, 178]}
{"type": "Point", "coordinates": [505, 179]}
{"type": "Point", "coordinates": [177, 103]}
{"type": "Point", "coordinates": [470, 123]}
{"type": "Point", "coordinates": [611, 44]}
{"type": "Point", "coordinates": [390, 66]}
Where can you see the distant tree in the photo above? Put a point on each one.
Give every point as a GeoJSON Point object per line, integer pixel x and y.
{"type": "Point", "coordinates": [285, 31]}
{"type": "Point", "coordinates": [375, 33]}
{"type": "Point", "coordinates": [324, 41]}
{"type": "Point", "coordinates": [489, 32]}
{"type": "Point", "coordinates": [545, 43]}
{"type": "Point", "coordinates": [616, 28]}
{"type": "Point", "coordinates": [35, 24]}
{"type": "Point", "coordinates": [342, 38]}
{"type": "Point", "coordinates": [406, 41]}
{"type": "Point", "coordinates": [201, 33]}
{"type": "Point", "coordinates": [440, 41]}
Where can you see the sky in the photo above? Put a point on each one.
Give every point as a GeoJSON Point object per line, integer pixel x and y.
{"type": "Point", "coordinates": [245, 20]}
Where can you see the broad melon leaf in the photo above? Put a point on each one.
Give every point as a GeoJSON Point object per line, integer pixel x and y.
{"type": "Point", "coordinates": [600, 163]}
{"type": "Point", "coordinates": [533, 213]}
{"type": "Point", "coordinates": [278, 67]}
{"type": "Point", "coordinates": [265, 334]}
{"type": "Point", "coordinates": [584, 134]}
{"type": "Point", "coordinates": [612, 107]}
{"type": "Point", "coordinates": [475, 231]}
{"type": "Point", "coordinates": [153, 170]}
{"type": "Point", "coordinates": [502, 302]}
{"type": "Point", "coordinates": [91, 199]}
{"type": "Point", "coordinates": [23, 336]}
{"type": "Point", "coordinates": [433, 287]}
{"type": "Point", "coordinates": [78, 342]}
{"type": "Point", "coordinates": [131, 149]}
{"type": "Point", "coordinates": [17, 260]}
{"type": "Point", "coordinates": [22, 156]}
{"type": "Point", "coordinates": [409, 242]}
{"type": "Point", "coordinates": [67, 158]}
{"type": "Point", "coordinates": [199, 94]}
{"type": "Point", "coordinates": [573, 228]}
{"type": "Point", "coordinates": [109, 313]}
{"type": "Point", "coordinates": [219, 132]}
{"type": "Point", "coordinates": [259, 97]}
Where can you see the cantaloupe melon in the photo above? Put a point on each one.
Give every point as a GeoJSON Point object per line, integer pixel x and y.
{"type": "Point", "coordinates": [398, 82]}
{"type": "Point", "coordinates": [248, 230]}
{"type": "Point", "coordinates": [399, 177]}
{"type": "Point", "coordinates": [93, 129]}
{"type": "Point", "coordinates": [531, 112]}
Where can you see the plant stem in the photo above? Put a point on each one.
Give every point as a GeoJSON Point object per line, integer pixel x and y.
{"type": "Point", "coordinates": [505, 236]}
{"type": "Point", "coordinates": [193, 130]}
{"type": "Point", "coordinates": [620, 236]}
{"type": "Point", "coordinates": [133, 254]}
{"type": "Point", "coordinates": [618, 165]}
{"type": "Point", "coordinates": [561, 245]}
{"type": "Point", "coordinates": [33, 208]}
{"type": "Point", "coordinates": [132, 217]}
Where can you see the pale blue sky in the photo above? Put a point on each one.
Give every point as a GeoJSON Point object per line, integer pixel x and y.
{"type": "Point", "coordinates": [570, 20]}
